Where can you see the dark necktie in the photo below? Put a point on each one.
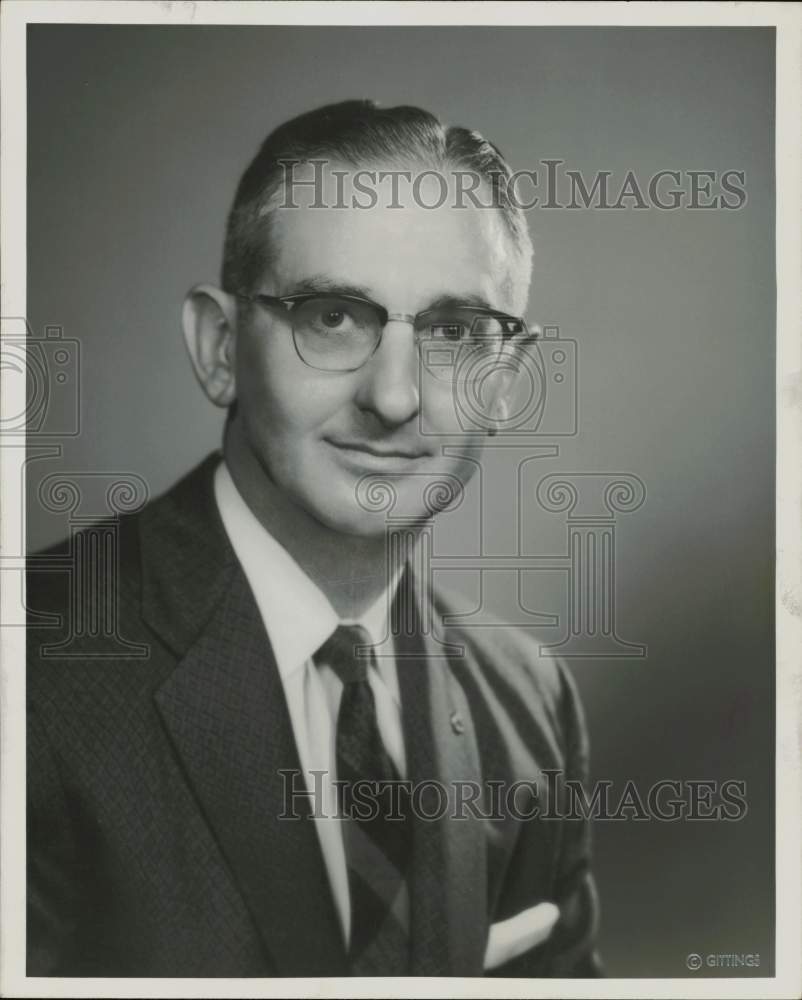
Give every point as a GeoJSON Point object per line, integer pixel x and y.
{"type": "Point", "coordinates": [377, 847]}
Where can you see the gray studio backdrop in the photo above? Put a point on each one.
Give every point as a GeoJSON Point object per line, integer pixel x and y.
{"type": "Point", "coordinates": [136, 138]}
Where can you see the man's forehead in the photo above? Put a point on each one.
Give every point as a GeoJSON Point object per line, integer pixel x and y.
{"type": "Point", "coordinates": [383, 239]}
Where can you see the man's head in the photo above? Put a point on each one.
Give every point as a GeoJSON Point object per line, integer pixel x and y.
{"type": "Point", "coordinates": [347, 203]}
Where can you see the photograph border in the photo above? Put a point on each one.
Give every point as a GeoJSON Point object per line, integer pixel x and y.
{"type": "Point", "coordinates": [787, 18]}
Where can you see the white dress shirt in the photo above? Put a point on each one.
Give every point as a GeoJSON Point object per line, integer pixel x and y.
{"type": "Point", "coordinates": [299, 618]}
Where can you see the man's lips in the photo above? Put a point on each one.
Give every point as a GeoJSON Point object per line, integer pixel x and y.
{"type": "Point", "coordinates": [377, 454]}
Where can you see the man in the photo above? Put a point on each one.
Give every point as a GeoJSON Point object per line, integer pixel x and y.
{"type": "Point", "coordinates": [220, 807]}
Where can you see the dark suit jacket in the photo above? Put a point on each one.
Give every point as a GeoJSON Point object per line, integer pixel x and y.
{"type": "Point", "coordinates": [154, 844]}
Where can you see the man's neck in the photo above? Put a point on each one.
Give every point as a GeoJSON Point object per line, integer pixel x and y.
{"type": "Point", "coordinates": [351, 570]}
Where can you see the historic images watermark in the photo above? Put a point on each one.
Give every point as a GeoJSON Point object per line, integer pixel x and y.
{"type": "Point", "coordinates": [591, 503]}
{"type": "Point", "coordinates": [552, 185]}
{"type": "Point", "coordinates": [51, 367]}
{"type": "Point", "coordinates": [550, 795]}
{"type": "Point", "coordinates": [544, 411]}
{"type": "Point", "coordinates": [89, 503]}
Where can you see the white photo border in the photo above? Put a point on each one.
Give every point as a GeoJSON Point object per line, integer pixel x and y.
{"type": "Point", "coordinates": [15, 15]}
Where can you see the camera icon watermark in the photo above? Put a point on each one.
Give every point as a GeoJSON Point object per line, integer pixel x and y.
{"type": "Point", "coordinates": [51, 366]}
{"type": "Point", "coordinates": [542, 372]}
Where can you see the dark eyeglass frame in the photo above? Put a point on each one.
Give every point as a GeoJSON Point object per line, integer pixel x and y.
{"type": "Point", "coordinates": [289, 302]}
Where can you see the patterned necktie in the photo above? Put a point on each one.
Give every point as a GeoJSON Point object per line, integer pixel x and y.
{"type": "Point", "coordinates": [377, 847]}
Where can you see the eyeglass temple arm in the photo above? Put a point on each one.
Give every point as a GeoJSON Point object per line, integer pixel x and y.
{"type": "Point", "coordinates": [269, 300]}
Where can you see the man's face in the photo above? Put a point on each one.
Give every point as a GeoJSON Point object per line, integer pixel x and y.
{"type": "Point", "coordinates": [318, 434]}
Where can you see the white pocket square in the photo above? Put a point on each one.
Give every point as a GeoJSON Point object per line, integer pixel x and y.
{"type": "Point", "coordinates": [509, 938]}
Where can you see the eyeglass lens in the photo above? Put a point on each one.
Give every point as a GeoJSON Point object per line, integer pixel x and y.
{"type": "Point", "coordinates": [336, 334]}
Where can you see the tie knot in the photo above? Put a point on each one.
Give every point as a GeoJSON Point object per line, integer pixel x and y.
{"type": "Point", "coordinates": [341, 651]}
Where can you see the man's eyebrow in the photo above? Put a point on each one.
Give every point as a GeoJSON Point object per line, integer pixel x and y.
{"type": "Point", "coordinates": [452, 301]}
{"type": "Point", "coordinates": [328, 285]}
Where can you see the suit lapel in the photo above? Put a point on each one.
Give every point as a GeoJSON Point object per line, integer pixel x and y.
{"type": "Point", "coordinates": [461, 866]}
{"type": "Point", "coordinates": [516, 739]}
{"type": "Point", "coordinates": [448, 890]}
{"type": "Point", "coordinates": [225, 712]}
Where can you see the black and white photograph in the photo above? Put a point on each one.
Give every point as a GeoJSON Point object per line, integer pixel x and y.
{"type": "Point", "coordinates": [401, 499]}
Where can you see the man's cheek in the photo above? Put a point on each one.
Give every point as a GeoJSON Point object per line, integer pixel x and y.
{"type": "Point", "coordinates": [465, 411]}
{"type": "Point", "coordinates": [438, 412]}
{"type": "Point", "coordinates": [288, 406]}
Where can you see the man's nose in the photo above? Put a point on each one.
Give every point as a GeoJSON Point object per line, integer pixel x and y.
{"type": "Point", "coordinates": [390, 380]}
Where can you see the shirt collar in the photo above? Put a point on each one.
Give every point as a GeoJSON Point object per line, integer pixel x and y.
{"type": "Point", "coordinates": [297, 614]}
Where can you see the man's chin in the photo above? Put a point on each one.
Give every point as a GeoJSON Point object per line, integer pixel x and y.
{"type": "Point", "coordinates": [370, 515]}
{"type": "Point", "coordinates": [364, 524]}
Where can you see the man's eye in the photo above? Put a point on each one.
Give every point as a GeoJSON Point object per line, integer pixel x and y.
{"type": "Point", "coordinates": [333, 318]}
{"type": "Point", "coordinates": [448, 331]}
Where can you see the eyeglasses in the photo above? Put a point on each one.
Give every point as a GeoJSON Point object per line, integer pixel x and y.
{"type": "Point", "coordinates": [340, 333]}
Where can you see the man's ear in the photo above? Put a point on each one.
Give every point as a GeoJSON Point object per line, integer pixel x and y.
{"type": "Point", "coordinates": [210, 326]}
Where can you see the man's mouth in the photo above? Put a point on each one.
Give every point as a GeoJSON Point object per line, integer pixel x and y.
{"type": "Point", "coordinates": [374, 455]}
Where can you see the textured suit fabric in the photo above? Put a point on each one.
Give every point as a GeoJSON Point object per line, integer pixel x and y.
{"type": "Point", "coordinates": [160, 839]}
